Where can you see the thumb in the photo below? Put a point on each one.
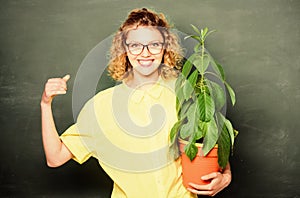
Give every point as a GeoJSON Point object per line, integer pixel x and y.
{"type": "Point", "coordinates": [210, 176]}
{"type": "Point", "coordinates": [66, 77]}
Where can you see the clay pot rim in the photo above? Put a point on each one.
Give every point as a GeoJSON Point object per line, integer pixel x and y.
{"type": "Point", "coordinates": [200, 145]}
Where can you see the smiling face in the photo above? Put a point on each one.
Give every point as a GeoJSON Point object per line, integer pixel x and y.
{"type": "Point", "coordinates": [150, 41]}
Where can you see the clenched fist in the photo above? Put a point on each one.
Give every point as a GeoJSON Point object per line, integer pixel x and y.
{"type": "Point", "coordinates": [53, 87]}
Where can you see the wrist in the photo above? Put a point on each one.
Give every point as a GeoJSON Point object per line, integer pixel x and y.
{"type": "Point", "coordinates": [227, 177]}
{"type": "Point", "coordinates": [45, 104]}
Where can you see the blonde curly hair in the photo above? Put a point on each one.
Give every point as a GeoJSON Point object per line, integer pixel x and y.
{"type": "Point", "coordinates": [119, 67]}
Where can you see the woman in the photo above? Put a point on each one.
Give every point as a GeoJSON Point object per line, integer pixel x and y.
{"type": "Point", "coordinates": [144, 56]}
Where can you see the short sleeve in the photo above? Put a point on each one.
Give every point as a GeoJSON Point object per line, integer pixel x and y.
{"type": "Point", "coordinates": [79, 138]}
{"type": "Point", "coordinates": [74, 141]}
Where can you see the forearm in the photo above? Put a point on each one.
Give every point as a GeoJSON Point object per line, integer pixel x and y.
{"type": "Point", "coordinates": [53, 147]}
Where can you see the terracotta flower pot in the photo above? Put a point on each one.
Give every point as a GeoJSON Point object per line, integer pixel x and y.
{"type": "Point", "coordinates": [194, 170]}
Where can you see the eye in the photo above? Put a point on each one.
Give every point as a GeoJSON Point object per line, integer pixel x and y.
{"type": "Point", "coordinates": [155, 44]}
{"type": "Point", "coordinates": [134, 45]}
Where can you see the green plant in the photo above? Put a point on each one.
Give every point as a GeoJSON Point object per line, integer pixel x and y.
{"type": "Point", "coordinates": [200, 99]}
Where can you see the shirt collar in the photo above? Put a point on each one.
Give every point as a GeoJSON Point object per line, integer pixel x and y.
{"type": "Point", "coordinates": [154, 91]}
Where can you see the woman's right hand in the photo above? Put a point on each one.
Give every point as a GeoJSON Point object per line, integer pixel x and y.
{"type": "Point", "coordinates": [53, 87]}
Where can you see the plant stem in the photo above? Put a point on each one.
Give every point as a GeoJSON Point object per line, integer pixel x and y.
{"type": "Point", "coordinates": [202, 86]}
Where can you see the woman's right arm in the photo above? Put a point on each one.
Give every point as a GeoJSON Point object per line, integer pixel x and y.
{"type": "Point", "coordinates": [55, 150]}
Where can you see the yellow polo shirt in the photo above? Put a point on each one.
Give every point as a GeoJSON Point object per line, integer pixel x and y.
{"type": "Point", "coordinates": [127, 130]}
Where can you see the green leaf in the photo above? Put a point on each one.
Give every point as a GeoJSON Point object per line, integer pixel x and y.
{"type": "Point", "coordinates": [179, 92]}
{"type": "Point", "coordinates": [184, 107]}
{"type": "Point", "coordinates": [185, 131]}
{"type": "Point", "coordinates": [187, 90]}
{"type": "Point", "coordinates": [198, 133]}
{"type": "Point", "coordinates": [194, 37]}
{"type": "Point", "coordinates": [193, 78]}
{"type": "Point", "coordinates": [179, 99]}
{"type": "Point", "coordinates": [197, 47]}
{"type": "Point", "coordinates": [231, 93]}
{"type": "Point", "coordinates": [206, 107]}
{"type": "Point", "coordinates": [223, 122]}
{"type": "Point", "coordinates": [186, 69]}
{"type": "Point", "coordinates": [218, 95]}
{"type": "Point", "coordinates": [201, 63]}
{"type": "Point", "coordinates": [223, 148]}
{"type": "Point", "coordinates": [195, 29]}
{"type": "Point", "coordinates": [220, 119]}
{"type": "Point", "coordinates": [203, 127]}
{"type": "Point", "coordinates": [189, 85]}
{"type": "Point", "coordinates": [209, 33]}
{"type": "Point", "coordinates": [220, 68]}
{"type": "Point", "coordinates": [230, 130]}
{"type": "Point", "coordinates": [211, 136]}
{"type": "Point", "coordinates": [192, 121]}
{"type": "Point", "coordinates": [217, 68]}
{"type": "Point", "coordinates": [203, 33]}
{"type": "Point", "coordinates": [174, 131]}
{"type": "Point", "coordinates": [179, 82]}
{"type": "Point", "coordinates": [178, 107]}
{"type": "Point", "coordinates": [191, 150]}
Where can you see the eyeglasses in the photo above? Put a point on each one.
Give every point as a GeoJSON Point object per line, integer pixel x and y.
{"type": "Point", "coordinates": [153, 48]}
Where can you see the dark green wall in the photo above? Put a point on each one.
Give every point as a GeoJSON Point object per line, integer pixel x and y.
{"type": "Point", "coordinates": [257, 42]}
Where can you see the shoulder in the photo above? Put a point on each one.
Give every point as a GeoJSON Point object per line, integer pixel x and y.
{"type": "Point", "coordinates": [104, 94]}
{"type": "Point", "coordinates": [102, 98]}
{"type": "Point", "coordinates": [169, 83]}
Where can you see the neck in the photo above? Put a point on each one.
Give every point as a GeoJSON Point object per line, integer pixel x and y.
{"type": "Point", "coordinates": [142, 82]}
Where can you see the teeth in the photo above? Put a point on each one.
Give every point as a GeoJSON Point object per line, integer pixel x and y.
{"type": "Point", "coordinates": [145, 62]}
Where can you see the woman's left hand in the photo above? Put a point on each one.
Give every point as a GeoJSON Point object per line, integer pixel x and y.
{"type": "Point", "coordinates": [218, 182]}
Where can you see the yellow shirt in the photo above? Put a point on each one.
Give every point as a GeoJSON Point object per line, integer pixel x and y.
{"type": "Point", "coordinates": [127, 130]}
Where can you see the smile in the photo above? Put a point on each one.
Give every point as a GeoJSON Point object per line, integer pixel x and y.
{"type": "Point", "coordinates": [145, 62]}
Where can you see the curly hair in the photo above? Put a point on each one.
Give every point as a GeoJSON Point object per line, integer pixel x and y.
{"type": "Point", "coordinates": [119, 67]}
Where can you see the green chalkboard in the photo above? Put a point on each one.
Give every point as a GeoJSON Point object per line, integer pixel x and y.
{"type": "Point", "coordinates": [257, 41]}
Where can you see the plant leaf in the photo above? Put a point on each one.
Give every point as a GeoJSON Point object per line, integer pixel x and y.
{"type": "Point", "coordinates": [179, 92]}
{"type": "Point", "coordinates": [223, 147]}
{"type": "Point", "coordinates": [191, 150]}
{"type": "Point", "coordinates": [203, 33]}
{"type": "Point", "coordinates": [194, 37]}
{"type": "Point", "coordinates": [197, 47]}
{"type": "Point", "coordinates": [186, 68]}
{"type": "Point", "coordinates": [217, 68]}
{"type": "Point", "coordinates": [192, 121]}
{"type": "Point", "coordinates": [211, 136]}
{"type": "Point", "coordinates": [218, 95]}
{"type": "Point", "coordinates": [209, 33]}
{"type": "Point", "coordinates": [189, 85]}
{"type": "Point", "coordinates": [198, 133]}
{"type": "Point", "coordinates": [231, 93]}
{"type": "Point", "coordinates": [185, 131]}
{"type": "Point", "coordinates": [179, 99]}
{"type": "Point", "coordinates": [174, 131]}
{"type": "Point", "coordinates": [187, 90]}
{"type": "Point", "coordinates": [195, 29]}
{"type": "Point", "coordinates": [230, 131]}
{"type": "Point", "coordinates": [184, 107]}
{"type": "Point", "coordinates": [201, 63]}
{"type": "Point", "coordinates": [206, 107]}
{"type": "Point", "coordinates": [223, 122]}
{"type": "Point", "coordinates": [193, 78]}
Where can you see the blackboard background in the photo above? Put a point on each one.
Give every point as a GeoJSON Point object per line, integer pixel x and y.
{"type": "Point", "coordinates": [257, 42]}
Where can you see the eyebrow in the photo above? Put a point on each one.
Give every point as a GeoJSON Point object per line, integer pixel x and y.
{"type": "Point", "coordinates": [143, 43]}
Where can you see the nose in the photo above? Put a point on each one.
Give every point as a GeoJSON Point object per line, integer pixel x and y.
{"type": "Point", "coordinates": [145, 52]}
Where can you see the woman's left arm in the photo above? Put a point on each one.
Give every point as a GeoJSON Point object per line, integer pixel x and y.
{"type": "Point", "coordinates": [219, 181]}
